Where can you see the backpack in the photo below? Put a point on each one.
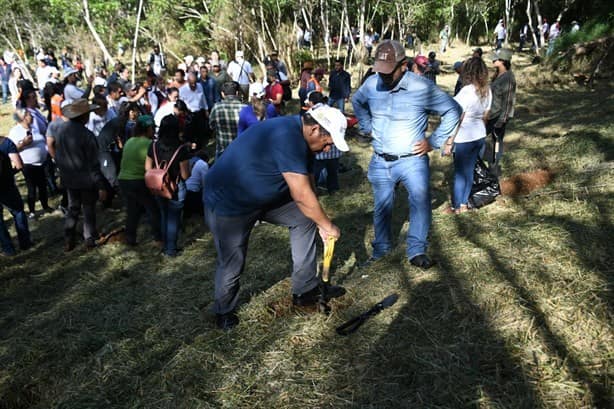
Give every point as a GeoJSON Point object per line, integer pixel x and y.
{"type": "Point", "coordinates": [157, 179]}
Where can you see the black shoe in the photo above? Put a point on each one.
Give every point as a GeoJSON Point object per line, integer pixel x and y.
{"type": "Point", "coordinates": [422, 261]}
{"type": "Point", "coordinates": [69, 245]}
{"type": "Point", "coordinates": [312, 297]}
{"type": "Point", "coordinates": [226, 321]}
{"type": "Point", "coordinates": [368, 262]}
{"type": "Point", "coordinates": [90, 243]}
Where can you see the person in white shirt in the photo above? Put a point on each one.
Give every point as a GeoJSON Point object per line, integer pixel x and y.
{"type": "Point", "coordinates": [195, 185]}
{"type": "Point", "coordinates": [32, 147]}
{"type": "Point", "coordinates": [156, 94]}
{"type": "Point", "coordinates": [71, 91]}
{"type": "Point", "coordinates": [100, 116]}
{"type": "Point", "coordinates": [553, 34]}
{"type": "Point", "coordinates": [240, 70]}
{"type": "Point", "coordinates": [168, 108]}
{"type": "Point", "coordinates": [157, 61]}
{"type": "Point", "coordinates": [545, 29]}
{"type": "Point", "coordinates": [575, 26]}
{"type": "Point", "coordinates": [475, 98]}
{"type": "Point", "coordinates": [43, 72]}
{"type": "Point", "coordinates": [193, 95]}
{"type": "Point", "coordinates": [500, 32]}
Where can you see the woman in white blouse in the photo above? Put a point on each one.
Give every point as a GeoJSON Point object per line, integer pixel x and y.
{"type": "Point", "coordinates": [475, 98]}
{"type": "Point", "coordinates": [32, 148]}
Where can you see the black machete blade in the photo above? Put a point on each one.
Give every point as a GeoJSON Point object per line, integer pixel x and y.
{"type": "Point", "coordinates": [353, 324]}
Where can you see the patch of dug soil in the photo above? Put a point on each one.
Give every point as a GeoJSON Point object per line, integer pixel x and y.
{"type": "Point", "coordinates": [524, 183]}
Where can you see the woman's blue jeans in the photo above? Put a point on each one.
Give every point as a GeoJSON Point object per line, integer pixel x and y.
{"type": "Point", "coordinates": [465, 156]}
{"type": "Point", "coordinates": [170, 220]}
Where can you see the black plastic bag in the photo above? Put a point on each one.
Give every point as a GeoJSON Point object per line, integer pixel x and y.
{"type": "Point", "coordinates": [485, 188]}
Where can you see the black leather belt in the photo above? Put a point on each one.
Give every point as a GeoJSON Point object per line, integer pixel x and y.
{"type": "Point", "coordinates": [391, 158]}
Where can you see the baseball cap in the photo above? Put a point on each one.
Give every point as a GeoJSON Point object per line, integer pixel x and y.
{"type": "Point", "coordinates": [256, 89]}
{"type": "Point", "coordinates": [502, 54]}
{"type": "Point", "coordinates": [388, 55]}
{"type": "Point", "coordinates": [457, 65]}
{"type": "Point", "coordinates": [239, 55]}
{"type": "Point", "coordinates": [333, 121]}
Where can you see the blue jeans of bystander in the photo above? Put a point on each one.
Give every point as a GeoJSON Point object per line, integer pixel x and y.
{"type": "Point", "coordinates": [465, 156]}
{"type": "Point", "coordinates": [10, 197]}
{"type": "Point", "coordinates": [170, 220]}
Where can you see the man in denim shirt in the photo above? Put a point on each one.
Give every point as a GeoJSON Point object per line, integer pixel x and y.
{"type": "Point", "coordinates": [394, 106]}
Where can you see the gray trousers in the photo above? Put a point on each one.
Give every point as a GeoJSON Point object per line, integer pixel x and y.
{"type": "Point", "coordinates": [81, 199]}
{"type": "Point", "coordinates": [231, 236]}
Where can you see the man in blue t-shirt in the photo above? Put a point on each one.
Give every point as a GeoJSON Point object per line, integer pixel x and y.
{"type": "Point", "coordinates": [264, 175]}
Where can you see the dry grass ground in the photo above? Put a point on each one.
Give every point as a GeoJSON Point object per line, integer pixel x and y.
{"type": "Point", "coordinates": [517, 314]}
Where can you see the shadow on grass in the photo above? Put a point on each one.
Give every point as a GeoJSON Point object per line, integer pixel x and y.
{"type": "Point", "coordinates": [439, 352]}
{"type": "Point", "coordinates": [555, 343]}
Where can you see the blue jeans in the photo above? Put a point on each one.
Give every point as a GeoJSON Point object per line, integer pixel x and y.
{"type": "Point", "coordinates": [337, 103]}
{"type": "Point", "coordinates": [10, 197]}
{"type": "Point", "coordinates": [465, 156]}
{"type": "Point", "coordinates": [170, 220]}
{"type": "Point", "coordinates": [332, 172]}
{"type": "Point", "coordinates": [5, 91]}
{"type": "Point", "coordinates": [413, 172]}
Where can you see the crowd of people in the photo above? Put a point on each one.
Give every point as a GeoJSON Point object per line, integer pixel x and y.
{"type": "Point", "coordinates": [109, 137]}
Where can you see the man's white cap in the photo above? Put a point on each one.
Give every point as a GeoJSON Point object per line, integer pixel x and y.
{"type": "Point", "coordinates": [200, 60]}
{"type": "Point", "coordinates": [333, 121]}
{"type": "Point", "coordinates": [239, 55]}
{"type": "Point", "coordinates": [256, 89]}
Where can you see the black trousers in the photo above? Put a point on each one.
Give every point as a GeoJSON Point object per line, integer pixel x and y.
{"type": "Point", "coordinates": [36, 179]}
{"type": "Point", "coordinates": [137, 199]}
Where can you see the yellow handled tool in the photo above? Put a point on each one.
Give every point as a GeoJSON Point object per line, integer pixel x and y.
{"type": "Point", "coordinates": [329, 249]}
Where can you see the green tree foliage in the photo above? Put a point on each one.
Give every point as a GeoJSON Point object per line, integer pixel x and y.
{"type": "Point", "coordinates": [257, 26]}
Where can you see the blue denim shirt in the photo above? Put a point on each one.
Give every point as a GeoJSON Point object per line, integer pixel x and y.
{"type": "Point", "coordinates": [398, 118]}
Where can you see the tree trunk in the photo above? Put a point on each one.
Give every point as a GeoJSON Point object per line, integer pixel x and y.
{"type": "Point", "coordinates": [86, 16]}
{"type": "Point", "coordinates": [469, 34]}
{"type": "Point", "coordinates": [326, 28]}
{"type": "Point", "coordinates": [340, 39]}
{"type": "Point", "coordinates": [530, 23]}
{"type": "Point", "coordinates": [568, 4]}
{"type": "Point", "coordinates": [508, 6]}
{"type": "Point", "coordinates": [542, 42]}
{"type": "Point", "coordinates": [136, 37]}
